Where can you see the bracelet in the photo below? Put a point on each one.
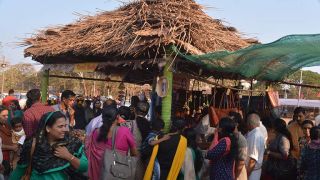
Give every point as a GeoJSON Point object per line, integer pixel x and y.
{"type": "Point", "coordinates": [72, 158]}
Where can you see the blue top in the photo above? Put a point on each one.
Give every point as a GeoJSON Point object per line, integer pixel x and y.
{"type": "Point", "coordinates": [221, 166]}
{"type": "Point", "coordinates": [310, 163]}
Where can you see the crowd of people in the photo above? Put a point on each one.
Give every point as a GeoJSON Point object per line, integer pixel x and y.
{"type": "Point", "coordinates": [80, 138]}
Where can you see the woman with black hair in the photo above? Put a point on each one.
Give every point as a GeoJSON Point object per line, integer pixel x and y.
{"type": "Point", "coordinates": [193, 160]}
{"type": "Point", "coordinates": [14, 110]}
{"type": "Point", "coordinates": [133, 104]}
{"type": "Point", "coordinates": [55, 154]}
{"type": "Point", "coordinates": [279, 164]}
{"type": "Point", "coordinates": [97, 108]}
{"type": "Point", "coordinates": [7, 147]}
{"type": "Point", "coordinates": [223, 151]}
{"type": "Point", "coordinates": [101, 139]}
{"type": "Point", "coordinates": [310, 156]}
{"type": "Point", "coordinates": [306, 127]}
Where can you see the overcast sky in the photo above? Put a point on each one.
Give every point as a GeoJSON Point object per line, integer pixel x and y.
{"type": "Point", "coordinates": [264, 20]}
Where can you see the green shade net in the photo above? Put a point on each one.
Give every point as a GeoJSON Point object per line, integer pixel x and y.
{"type": "Point", "coordinates": [271, 62]}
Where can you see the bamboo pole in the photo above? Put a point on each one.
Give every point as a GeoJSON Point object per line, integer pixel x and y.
{"type": "Point", "coordinates": [167, 100]}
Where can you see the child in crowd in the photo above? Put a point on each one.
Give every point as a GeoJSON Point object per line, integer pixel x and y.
{"type": "Point", "coordinates": [18, 137]}
{"type": "Point", "coordinates": [155, 137]}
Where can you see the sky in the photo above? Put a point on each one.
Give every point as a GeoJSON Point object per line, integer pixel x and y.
{"type": "Point", "coordinates": [266, 20]}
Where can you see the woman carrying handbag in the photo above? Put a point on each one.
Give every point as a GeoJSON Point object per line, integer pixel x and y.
{"type": "Point", "coordinates": [280, 164]}
{"type": "Point", "coordinates": [109, 145]}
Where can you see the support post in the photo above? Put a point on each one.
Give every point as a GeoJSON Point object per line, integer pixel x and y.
{"type": "Point", "coordinates": [153, 96]}
{"type": "Point", "coordinates": [167, 101]}
{"type": "Point", "coordinates": [44, 85]}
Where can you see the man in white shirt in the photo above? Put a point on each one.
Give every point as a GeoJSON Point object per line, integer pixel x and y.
{"type": "Point", "coordinates": [256, 146]}
{"type": "Point", "coordinates": [97, 121]}
{"type": "Point", "coordinates": [263, 130]}
{"type": "Point", "coordinates": [94, 123]}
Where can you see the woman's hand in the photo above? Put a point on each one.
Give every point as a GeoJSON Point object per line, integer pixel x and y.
{"type": "Point", "coordinates": [15, 147]}
{"type": "Point", "coordinates": [62, 152]}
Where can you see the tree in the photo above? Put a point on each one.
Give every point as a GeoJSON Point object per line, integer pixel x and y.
{"type": "Point", "coordinates": [20, 76]}
{"type": "Point", "coordinates": [308, 77]}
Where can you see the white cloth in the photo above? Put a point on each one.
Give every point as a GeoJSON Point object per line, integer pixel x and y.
{"type": "Point", "coordinates": [187, 168]}
{"type": "Point", "coordinates": [94, 124]}
{"type": "Point", "coordinates": [255, 175]}
{"type": "Point", "coordinates": [256, 148]}
{"type": "Point", "coordinates": [204, 173]}
{"type": "Point", "coordinates": [264, 132]}
{"type": "Point", "coordinates": [204, 126]}
{"type": "Point", "coordinates": [22, 139]}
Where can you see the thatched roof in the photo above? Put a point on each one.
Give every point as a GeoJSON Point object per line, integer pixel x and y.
{"type": "Point", "coordinates": [140, 30]}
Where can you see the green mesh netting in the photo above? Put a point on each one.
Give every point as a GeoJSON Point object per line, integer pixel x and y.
{"type": "Point", "coordinates": [271, 62]}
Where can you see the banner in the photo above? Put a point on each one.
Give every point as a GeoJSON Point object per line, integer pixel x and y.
{"type": "Point", "coordinates": [85, 67]}
{"type": "Point", "coordinates": [274, 98]}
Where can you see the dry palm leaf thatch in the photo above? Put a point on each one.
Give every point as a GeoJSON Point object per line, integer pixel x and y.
{"type": "Point", "coordinates": [139, 29]}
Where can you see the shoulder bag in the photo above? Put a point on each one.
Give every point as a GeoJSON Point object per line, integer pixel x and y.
{"type": "Point", "coordinates": [282, 169]}
{"type": "Point", "coordinates": [117, 165]}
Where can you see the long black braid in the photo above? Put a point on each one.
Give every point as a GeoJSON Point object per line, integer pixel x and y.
{"type": "Point", "coordinates": [109, 115]}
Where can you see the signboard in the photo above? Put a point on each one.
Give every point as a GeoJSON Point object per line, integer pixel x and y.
{"type": "Point", "coordinates": [85, 67]}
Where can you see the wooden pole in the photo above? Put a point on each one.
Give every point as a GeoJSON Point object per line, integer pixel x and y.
{"type": "Point", "coordinates": [153, 97]}
{"type": "Point", "coordinates": [44, 86]}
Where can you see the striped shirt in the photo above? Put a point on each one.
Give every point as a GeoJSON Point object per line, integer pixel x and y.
{"type": "Point", "coordinates": [32, 117]}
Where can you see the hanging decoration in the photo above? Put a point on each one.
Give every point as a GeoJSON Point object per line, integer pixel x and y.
{"type": "Point", "coordinates": [162, 87]}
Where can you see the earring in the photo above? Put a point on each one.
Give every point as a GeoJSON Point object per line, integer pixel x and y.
{"type": "Point", "coordinates": [41, 135]}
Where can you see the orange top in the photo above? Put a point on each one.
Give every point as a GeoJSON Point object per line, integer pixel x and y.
{"type": "Point", "coordinates": [121, 120]}
{"type": "Point", "coordinates": [7, 100]}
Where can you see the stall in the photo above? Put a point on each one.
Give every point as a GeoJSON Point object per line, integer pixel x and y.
{"type": "Point", "coordinates": [135, 42]}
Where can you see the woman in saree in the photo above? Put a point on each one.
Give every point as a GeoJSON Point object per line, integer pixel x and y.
{"type": "Point", "coordinates": [56, 155]}
{"type": "Point", "coordinates": [223, 151]}
{"type": "Point", "coordinates": [101, 139]}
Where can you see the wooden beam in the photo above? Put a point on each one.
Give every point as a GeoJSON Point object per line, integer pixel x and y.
{"type": "Point", "coordinates": [83, 78]}
{"type": "Point", "coordinates": [214, 83]}
{"type": "Point", "coordinates": [302, 85]}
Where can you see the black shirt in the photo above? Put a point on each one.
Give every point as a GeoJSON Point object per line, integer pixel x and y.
{"type": "Point", "coordinates": [80, 118]}
{"type": "Point", "coordinates": [143, 126]}
{"type": "Point", "coordinates": [166, 152]}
